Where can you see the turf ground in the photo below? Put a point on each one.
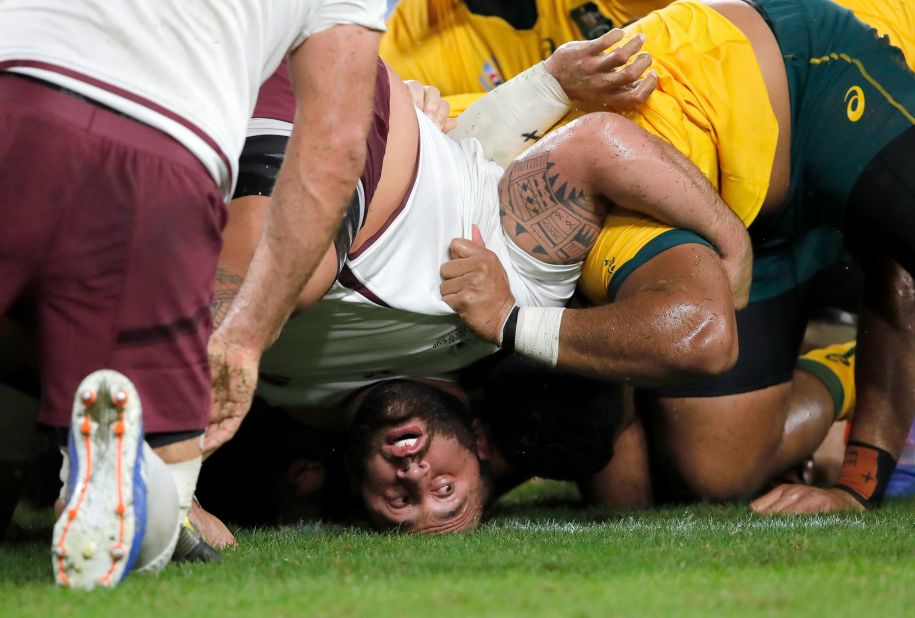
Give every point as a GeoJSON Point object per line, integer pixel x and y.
{"type": "Point", "coordinates": [539, 556]}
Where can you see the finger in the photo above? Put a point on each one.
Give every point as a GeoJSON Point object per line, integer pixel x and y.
{"type": "Point", "coordinates": [452, 301]}
{"type": "Point", "coordinates": [762, 504]}
{"type": "Point", "coordinates": [444, 111]}
{"type": "Point", "coordinates": [635, 96]}
{"type": "Point", "coordinates": [802, 505]}
{"type": "Point", "coordinates": [211, 440]}
{"type": "Point", "coordinates": [788, 503]}
{"type": "Point", "coordinates": [460, 267]}
{"type": "Point", "coordinates": [621, 55]}
{"type": "Point", "coordinates": [635, 69]}
{"type": "Point", "coordinates": [450, 124]}
{"type": "Point", "coordinates": [217, 435]}
{"type": "Point", "coordinates": [627, 74]}
{"type": "Point", "coordinates": [432, 106]}
{"type": "Point", "coordinates": [643, 88]}
{"type": "Point", "coordinates": [475, 236]}
{"type": "Point", "coordinates": [454, 286]}
{"type": "Point", "coordinates": [462, 248]}
{"type": "Point", "coordinates": [769, 502]}
{"type": "Point", "coordinates": [431, 96]}
{"type": "Point", "coordinates": [606, 40]}
{"type": "Point", "coordinates": [416, 92]}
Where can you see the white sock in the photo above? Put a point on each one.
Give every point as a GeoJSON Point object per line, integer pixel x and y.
{"type": "Point", "coordinates": [185, 474]}
{"type": "Point", "coordinates": [163, 520]}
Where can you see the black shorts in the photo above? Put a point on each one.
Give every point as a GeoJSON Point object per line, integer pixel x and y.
{"type": "Point", "coordinates": [770, 333]}
{"type": "Point", "coordinates": [258, 168]}
{"type": "Point", "coordinates": [259, 165]}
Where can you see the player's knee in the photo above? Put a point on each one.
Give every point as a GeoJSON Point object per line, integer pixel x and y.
{"type": "Point", "coordinates": [719, 477]}
{"type": "Point", "coordinates": [716, 460]}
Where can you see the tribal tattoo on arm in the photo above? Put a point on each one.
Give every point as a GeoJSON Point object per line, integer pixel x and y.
{"type": "Point", "coordinates": [227, 286]}
{"type": "Point", "coordinates": [545, 214]}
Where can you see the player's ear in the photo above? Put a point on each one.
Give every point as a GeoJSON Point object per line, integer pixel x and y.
{"type": "Point", "coordinates": [483, 439]}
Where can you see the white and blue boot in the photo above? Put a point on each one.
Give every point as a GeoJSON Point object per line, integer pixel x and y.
{"type": "Point", "coordinates": [98, 535]}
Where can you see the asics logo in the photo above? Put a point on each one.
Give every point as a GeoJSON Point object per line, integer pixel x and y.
{"type": "Point", "coordinates": [854, 99]}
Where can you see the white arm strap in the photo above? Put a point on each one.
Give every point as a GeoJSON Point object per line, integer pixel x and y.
{"type": "Point", "coordinates": [515, 115]}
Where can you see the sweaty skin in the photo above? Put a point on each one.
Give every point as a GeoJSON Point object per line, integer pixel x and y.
{"type": "Point", "coordinates": [437, 491]}
{"type": "Point", "coordinates": [312, 190]}
{"type": "Point", "coordinates": [668, 323]}
{"type": "Point", "coordinates": [576, 191]}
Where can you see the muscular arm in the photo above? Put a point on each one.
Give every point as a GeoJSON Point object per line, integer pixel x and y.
{"type": "Point", "coordinates": [650, 176]}
{"type": "Point", "coordinates": [332, 74]}
{"type": "Point", "coordinates": [239, 239]}
{"type": "Point", "coordinates": [324, 159]}
{"type": "Point", "coordinates": [672, 320]}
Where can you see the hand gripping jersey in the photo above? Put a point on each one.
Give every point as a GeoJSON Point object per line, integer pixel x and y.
{"type": "Point", "coordinates": [712, 105]}
{"type": "Point", "coordinates": [190, 68]}
{"type": "Point", "coordinates": [464, 47]}
{"type": "Point", "coordinates": [384, 317]}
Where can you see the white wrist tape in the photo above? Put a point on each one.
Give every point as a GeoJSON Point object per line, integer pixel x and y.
{"type": "Point", "coordinates": [537, 333]}
{"type": "Point", "coordinates": [515, 115]}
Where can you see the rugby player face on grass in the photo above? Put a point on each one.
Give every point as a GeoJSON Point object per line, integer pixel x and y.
{"type": "Point", "coordinates": [414, 461]}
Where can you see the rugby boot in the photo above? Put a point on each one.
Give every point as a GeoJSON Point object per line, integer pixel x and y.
{"type": "Point", "coordinates": [191, 547]}
{"type": "Point", "coordinates": [98, 535]}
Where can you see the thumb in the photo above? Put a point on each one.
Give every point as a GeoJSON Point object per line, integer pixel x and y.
{"type": "Point", "coordinates": [475, 236]}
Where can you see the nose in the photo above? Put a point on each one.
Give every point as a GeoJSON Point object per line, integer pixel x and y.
{"type": "Point", "coordinates": [413, 471]}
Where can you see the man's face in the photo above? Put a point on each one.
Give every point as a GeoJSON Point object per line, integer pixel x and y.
{"type": "Point", "coordinates": [419, 481]}
{"type": "Point", "coordinates": [418, 470]}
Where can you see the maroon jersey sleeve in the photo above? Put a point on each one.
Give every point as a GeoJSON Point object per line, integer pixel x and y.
{"type": "Point", "coordinates": [277, 101]}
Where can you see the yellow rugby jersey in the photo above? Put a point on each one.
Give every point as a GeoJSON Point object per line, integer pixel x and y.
{"type": "Point", "coordinates": [627, 241]}
{"type": "Point", "coordinates": [713, 106]}
{"type": "Point", "coordinates": [892, 18]}
{"type": "Point", "coordinates": [443, 43]}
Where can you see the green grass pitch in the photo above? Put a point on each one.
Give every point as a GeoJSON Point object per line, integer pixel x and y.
{"type": "Point", "coordinates": [539, 556]}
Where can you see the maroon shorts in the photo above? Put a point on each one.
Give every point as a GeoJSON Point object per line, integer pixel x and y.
{"type": "Point", "coordinates": [111, 229]}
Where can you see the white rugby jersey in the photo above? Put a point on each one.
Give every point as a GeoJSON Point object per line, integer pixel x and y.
{"type": "Point", "coordinates": [190, 68]}
{"type": "Point", "coordinates": [385, 317]}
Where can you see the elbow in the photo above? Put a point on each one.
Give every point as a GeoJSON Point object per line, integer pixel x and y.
{"type": "Point", "coordinates": [328, 149]}
{"type": "Point", "coordinates": [348, 149]}
{"type": "Point", "coordinates": [708, 346]}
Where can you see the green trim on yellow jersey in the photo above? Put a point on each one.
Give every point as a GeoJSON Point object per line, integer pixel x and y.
{"type": "Point", "coordinates": [626, 241]}
{"type": "Point", "coordinates": [657, 245]}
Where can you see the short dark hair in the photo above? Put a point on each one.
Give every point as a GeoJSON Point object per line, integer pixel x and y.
{"type": "Point", "coordinates": [549, 423]}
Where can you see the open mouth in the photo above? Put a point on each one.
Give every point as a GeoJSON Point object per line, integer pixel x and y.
{"type": "Point", "coordinates": [404, 441]}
